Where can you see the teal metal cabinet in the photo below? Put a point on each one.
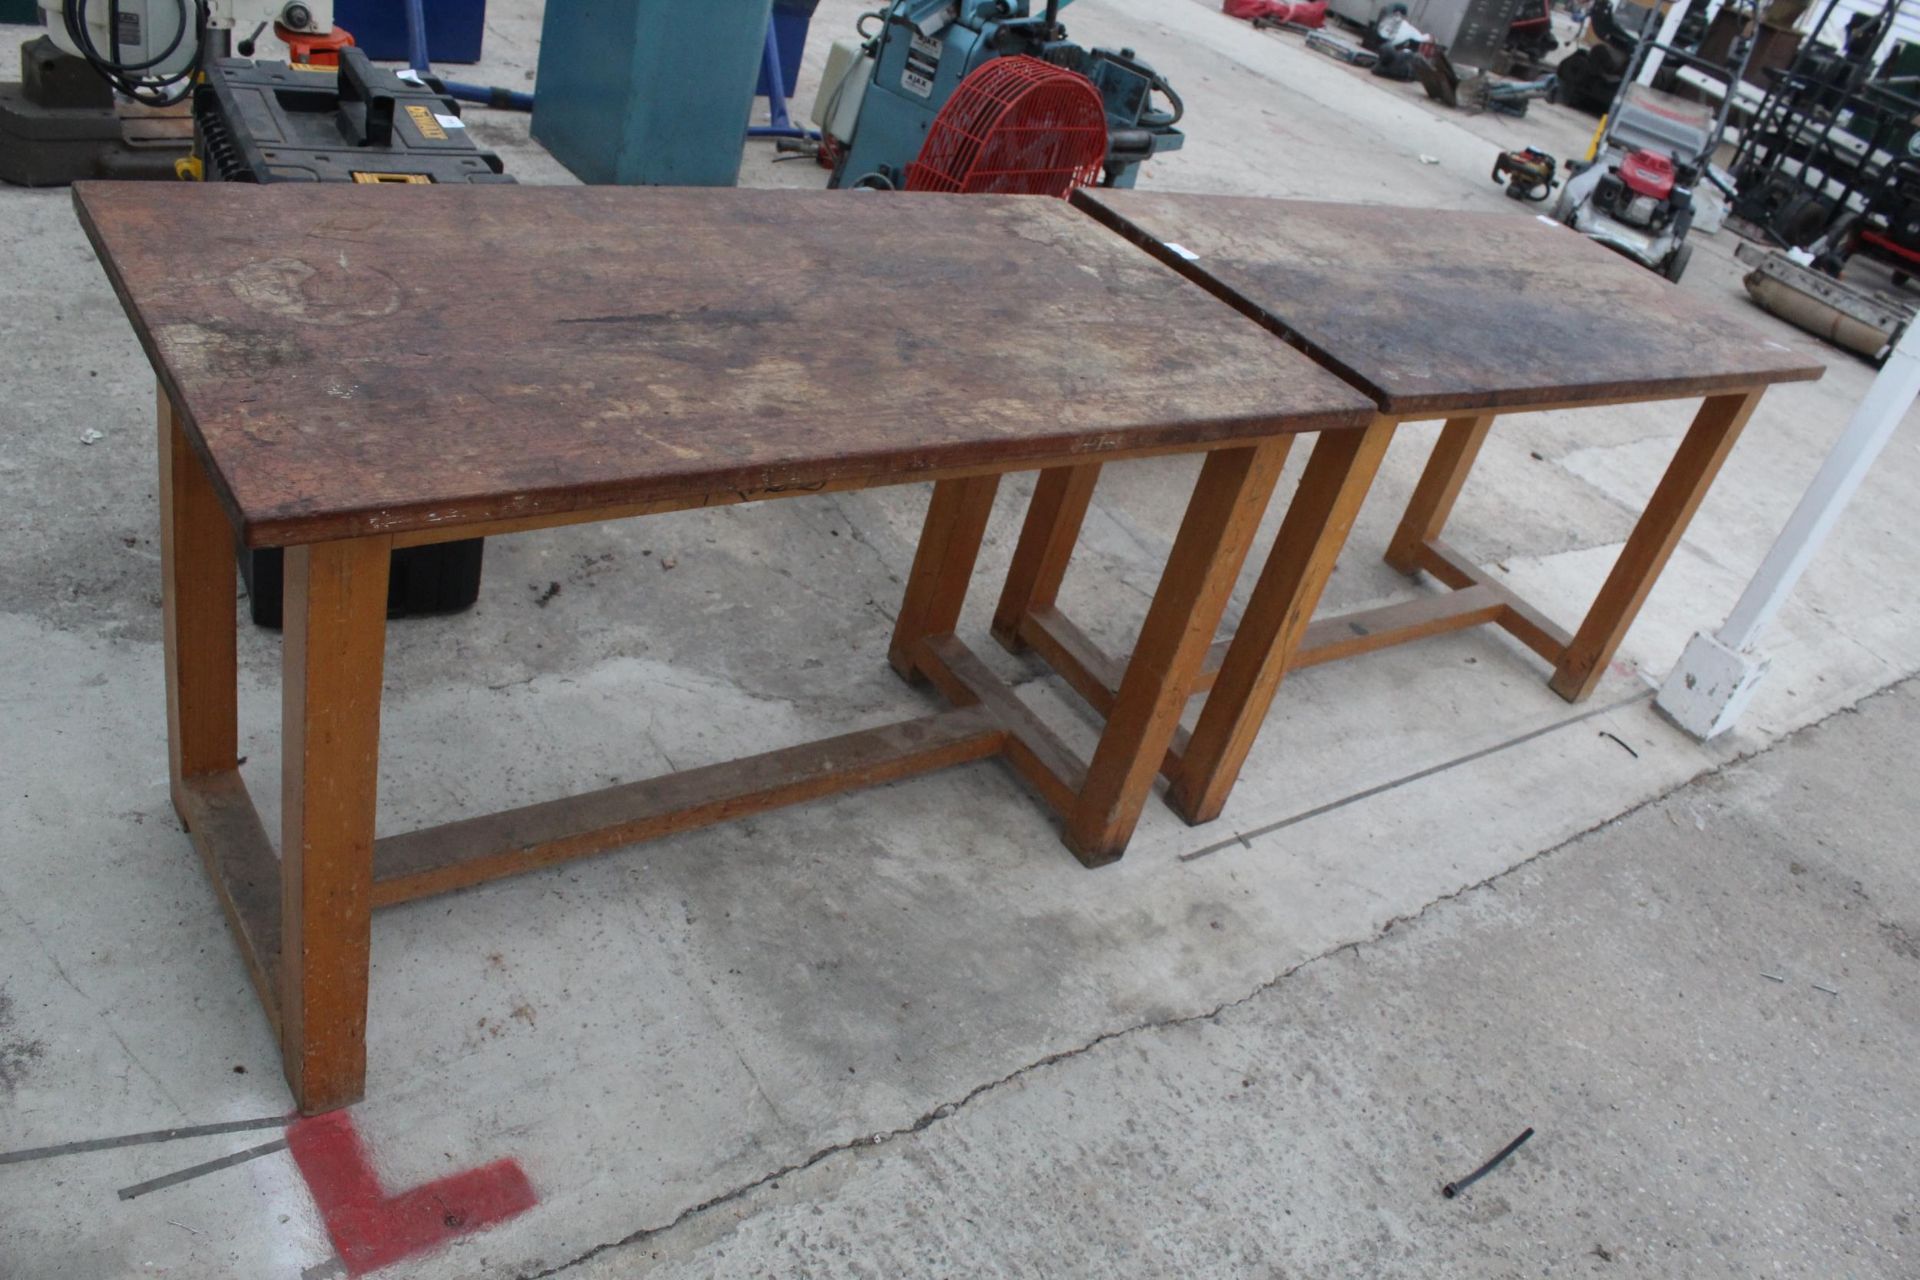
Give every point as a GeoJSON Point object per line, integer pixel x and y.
{"type": "Point", "coordinates": [649, 92]}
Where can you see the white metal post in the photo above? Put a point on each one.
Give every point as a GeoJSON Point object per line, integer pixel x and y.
{"type": "Point", "coordinates": [1717, 674]}
{"type": "Point", "coordinates": [1669, 28]}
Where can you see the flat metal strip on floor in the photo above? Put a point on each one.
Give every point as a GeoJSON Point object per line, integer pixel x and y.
{"type": "Point", "coordinates": [200, 1170]}
{"type": "Point", "coordinates": [140, 1139]}
{"type": "Point", "coordinates": [1242, 838]}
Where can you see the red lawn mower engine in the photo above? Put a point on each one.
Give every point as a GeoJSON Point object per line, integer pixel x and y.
{"type": "Point", "coordinates": [1645, 190]}
{"type": "Point", "coordinates": [1636, 195]}
{"type": "Point", "coordinates": [1640, 205]}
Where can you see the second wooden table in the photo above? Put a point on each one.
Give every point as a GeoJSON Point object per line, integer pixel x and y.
{"type": "Point", "coordinates": [1433, 314]}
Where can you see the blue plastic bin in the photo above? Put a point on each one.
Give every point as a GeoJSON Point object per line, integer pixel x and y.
{"type": "Point", "coordinates": [454, 28]}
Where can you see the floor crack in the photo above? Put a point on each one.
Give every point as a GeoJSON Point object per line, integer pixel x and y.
{"type": "Point", "coordinates": [947, 1109]}
{"type": "Point", "coordinates": [854, 532]}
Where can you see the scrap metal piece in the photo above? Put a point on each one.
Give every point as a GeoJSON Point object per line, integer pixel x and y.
{"type": "Point", "coordinates": [1335, 46]}
{"type": "Point", "coordinates": [1849, 317]}
{"type": "Point", "coordinates": [1453, 1189]}
{"type": "Point", "coordinates": [1434, 71]}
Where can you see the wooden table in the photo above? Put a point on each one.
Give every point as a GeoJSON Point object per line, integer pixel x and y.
{"type": "Point", "coordinates": [1459, 316]}
{"type": "Point", "coordinates": [348, 370]}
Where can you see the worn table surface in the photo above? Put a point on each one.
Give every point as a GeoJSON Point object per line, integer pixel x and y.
{"type": "Point", "coordinates": [359, 360]}
{"type": "Point", "coordinates": [1434, 310]}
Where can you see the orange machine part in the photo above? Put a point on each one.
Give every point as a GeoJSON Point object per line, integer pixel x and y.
{"type": "Point", "coordinates": [314, 49]}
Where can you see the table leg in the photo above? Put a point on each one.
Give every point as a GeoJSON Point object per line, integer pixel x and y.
{"type": "Point", "coordinates": [942, 567]}
{"type": "Point", "coordinates": [1221, 519]}
{"type": "Point", "coordinates": [335, 635]}
{"type": "Point", "coordinates": [1316, 525]}
{"type": "Point", "coordinates": [197, 590]}
{"type": "Point", "coordinates": [1706, 445]}
{"type": "Point", "coordinates": [1440, 484]}
{"type": "Point", "coordinates": [1047, 539]}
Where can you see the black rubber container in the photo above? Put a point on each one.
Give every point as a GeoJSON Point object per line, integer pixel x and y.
{"type": "Point", "coordinates": [442, 577]}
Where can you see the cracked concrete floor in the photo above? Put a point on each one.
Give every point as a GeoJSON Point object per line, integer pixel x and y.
{"type": "Point", "coordinates": [654, 1029]}
{"type": "Point", "coordinates": [1708, 1010]}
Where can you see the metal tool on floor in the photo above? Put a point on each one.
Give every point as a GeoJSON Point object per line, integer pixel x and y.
{"type": "Point", "coordinates": [1502, 96]}
{"type": "Point", "coordinates": [881, 93]}
{"type": "Point", "coordinates": [1341, 49]}
{"type": "Point", "coordinates": [1527, 174]}
{"type": "Point", "coordinates": [1454, 1188]}
{"type": "Point", "coordinates": [1865, 322]}
{"type": "Point", "coordinates": [152, 50]}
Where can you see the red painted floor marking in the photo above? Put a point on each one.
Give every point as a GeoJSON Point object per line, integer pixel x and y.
{"type": "Point", "coordinates": [372, 1229]}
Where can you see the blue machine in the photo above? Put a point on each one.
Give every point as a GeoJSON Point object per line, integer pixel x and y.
{"type": "Point", "coordinates": [910, 65]}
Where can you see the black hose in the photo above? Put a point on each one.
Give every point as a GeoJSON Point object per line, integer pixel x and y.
{"type": "Point", "coordinates": [74, 11]}
{"type": "Point", "coordinates": [1179, 107]}
{"type": "Point", "coordinates": [125, 77]}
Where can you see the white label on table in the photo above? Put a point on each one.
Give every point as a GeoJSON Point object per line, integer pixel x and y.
{"type": "Point", "coordinates": [1183, 251]}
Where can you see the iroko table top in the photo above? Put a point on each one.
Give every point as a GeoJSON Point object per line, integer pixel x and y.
{"type": "Point", "coordinates": [1432, 310]}
{"type": "Point", "coordinates": [357, 360]}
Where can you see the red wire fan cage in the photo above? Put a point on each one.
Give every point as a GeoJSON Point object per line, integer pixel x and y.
{"type": "Point", "coordinates": [1016, 126]}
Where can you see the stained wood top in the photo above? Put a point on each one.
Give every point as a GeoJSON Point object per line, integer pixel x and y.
{"type": "Point", "coordinates": [1434, 310]}
{"type": "Point", "coordinates": [359, 360]}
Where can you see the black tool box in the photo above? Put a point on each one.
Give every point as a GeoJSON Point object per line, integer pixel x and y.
{"type": "Point", "coordinates": [281, 122]}
{"type": "Point", "coordinates": [276, 122]}
{"type": "Point", "coordinates": [441, 577]}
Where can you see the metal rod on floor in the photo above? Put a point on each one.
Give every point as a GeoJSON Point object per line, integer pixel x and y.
{"type": "Point", "coordinates": [1454, 1188]}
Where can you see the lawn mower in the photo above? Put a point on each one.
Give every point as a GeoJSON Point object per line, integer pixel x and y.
{"type": "Point", "coordinates": [1634, 193]}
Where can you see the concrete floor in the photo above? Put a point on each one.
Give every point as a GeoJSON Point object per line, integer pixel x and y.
{"type": "Point", "coordinates": [1707, 1010]}
{"type": "Point", "coordinates": [656, 1030]}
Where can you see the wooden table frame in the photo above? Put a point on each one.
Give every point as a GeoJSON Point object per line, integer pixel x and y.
{"type": "Point", "coordinates": [303, 920]}
{"type": "Point", "coordinates": [1278, 633]}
